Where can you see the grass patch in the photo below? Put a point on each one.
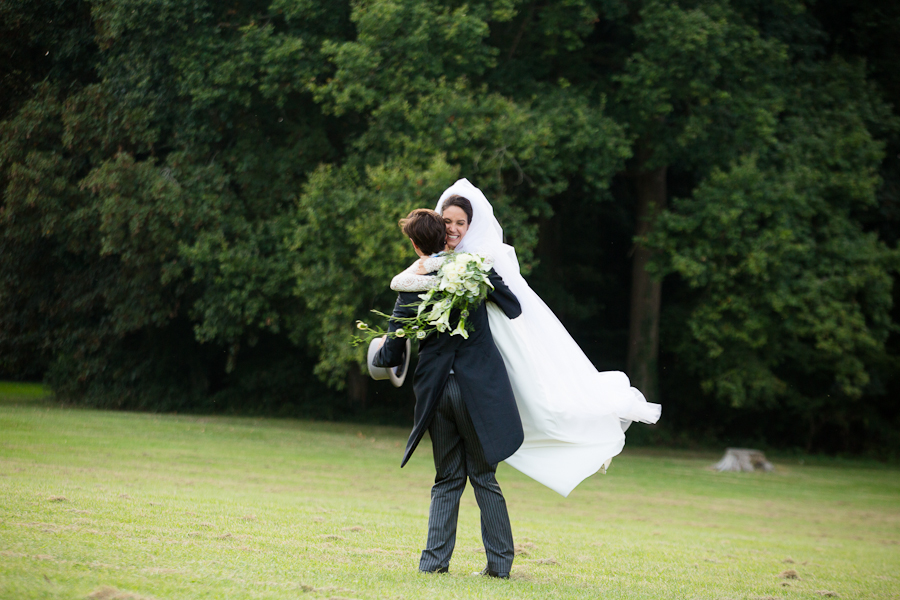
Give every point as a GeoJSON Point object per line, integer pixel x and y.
{"type": "Point", "coordinates": [15, 392]}
{"type": "Point", "coordinates": [111, 505]}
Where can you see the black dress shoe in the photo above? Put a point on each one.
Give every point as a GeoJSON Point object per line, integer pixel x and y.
{"type": "Point", "coordinates": [487, 572]}
{"type": "Point", "coordinates": [438, 570]}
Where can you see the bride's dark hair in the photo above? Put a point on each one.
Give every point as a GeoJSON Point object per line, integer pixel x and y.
{"type": "Point", "coordinates": [461, 202]}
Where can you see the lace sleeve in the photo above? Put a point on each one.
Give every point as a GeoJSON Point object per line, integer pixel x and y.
{"type": "Point", "coordinates": [432, 263]}
{"type": "Point", "coordinates": [409, 281]}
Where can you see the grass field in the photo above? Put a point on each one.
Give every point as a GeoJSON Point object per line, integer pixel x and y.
{"type": "Point", "coordinates": [111, 505]}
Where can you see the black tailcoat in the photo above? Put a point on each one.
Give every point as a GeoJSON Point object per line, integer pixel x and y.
{"type": "Point", "coordinates": [478, 368]}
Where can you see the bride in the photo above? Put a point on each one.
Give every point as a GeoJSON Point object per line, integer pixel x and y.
{"type": "Point", "coordinates": [573, 415]}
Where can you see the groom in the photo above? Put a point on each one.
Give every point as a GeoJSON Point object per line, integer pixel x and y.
{"type": "Point", "coordinates": [465, 401]}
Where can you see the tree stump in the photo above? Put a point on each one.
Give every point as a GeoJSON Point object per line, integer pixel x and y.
{"type": "Point", "coordinates": [743, 459]}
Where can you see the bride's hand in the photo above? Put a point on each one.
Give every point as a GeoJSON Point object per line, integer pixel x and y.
{"type": "Point", "coordinates": [420, 267]}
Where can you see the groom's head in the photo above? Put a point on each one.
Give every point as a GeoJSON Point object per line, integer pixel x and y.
{"type": "Point", "coordinates": [425, 228]}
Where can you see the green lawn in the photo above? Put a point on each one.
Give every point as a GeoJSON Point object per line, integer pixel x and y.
{"type": "Point", "coordinates": [110, 505]}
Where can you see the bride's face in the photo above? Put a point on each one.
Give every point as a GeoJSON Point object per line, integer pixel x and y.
{"type": "Point", "coordinates": [457, 225]}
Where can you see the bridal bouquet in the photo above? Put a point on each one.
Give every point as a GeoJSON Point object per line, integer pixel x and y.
{"type": "Point", "coordinates": [462, 283]}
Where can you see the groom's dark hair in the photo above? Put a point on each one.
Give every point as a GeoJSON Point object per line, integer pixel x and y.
{"type": "Point", "coordinates": [426, 229]}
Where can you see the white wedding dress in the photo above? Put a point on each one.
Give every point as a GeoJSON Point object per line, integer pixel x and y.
{"type": "Point", "coordinates": [574, 416]}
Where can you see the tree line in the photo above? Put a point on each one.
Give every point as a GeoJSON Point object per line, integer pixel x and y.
{"type": "Point", "coordinates": [200, 198]}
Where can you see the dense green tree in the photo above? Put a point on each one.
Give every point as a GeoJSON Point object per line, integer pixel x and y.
{"type": "Point", "coordinates": [793, 297]}
{"type": "Point", "coordinates": [699, 88]}
{"type": "Point", "coordinates": [129, 182]}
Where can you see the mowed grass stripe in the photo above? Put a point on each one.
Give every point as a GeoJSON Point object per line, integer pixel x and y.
{"type": "Point", "coordinates": [127, 505]}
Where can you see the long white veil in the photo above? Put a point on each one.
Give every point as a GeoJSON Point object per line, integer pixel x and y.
{"type": "Point", "coordinates": [574, 416]}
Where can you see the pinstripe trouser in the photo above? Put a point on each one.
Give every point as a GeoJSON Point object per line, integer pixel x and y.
{"type": "Point", "coordinates": [458, 454]}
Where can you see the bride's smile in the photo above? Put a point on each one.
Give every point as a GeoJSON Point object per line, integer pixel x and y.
{"type": "Point", "coordinates": [457, 224]}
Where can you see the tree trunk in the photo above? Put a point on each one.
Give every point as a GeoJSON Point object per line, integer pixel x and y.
{"type": "Point", "coordinates": [643, 335]}
{"type": "Point", "coordinates": [357, 388]}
